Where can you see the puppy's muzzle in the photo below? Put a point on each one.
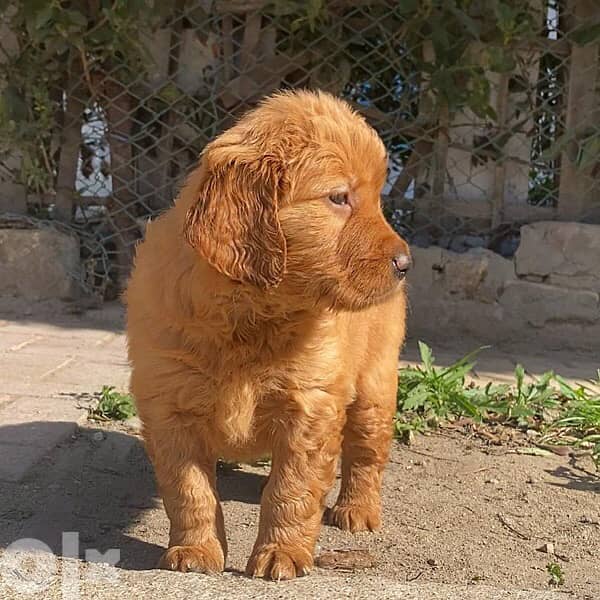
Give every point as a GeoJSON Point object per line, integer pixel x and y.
{"type": "Point", "coordinates": [401, 263]}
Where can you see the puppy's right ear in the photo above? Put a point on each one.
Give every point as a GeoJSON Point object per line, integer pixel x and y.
{"type": "Point", "coordinates": [234, 223]}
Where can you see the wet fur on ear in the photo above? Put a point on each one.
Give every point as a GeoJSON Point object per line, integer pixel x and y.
{"type": "Point", "coordinates": [234, 223]}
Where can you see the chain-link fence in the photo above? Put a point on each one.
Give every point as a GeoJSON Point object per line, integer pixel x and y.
{"type": "Point", "coordinates": [489, 109]}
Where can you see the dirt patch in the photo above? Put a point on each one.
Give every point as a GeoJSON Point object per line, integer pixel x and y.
{"type": "Point", "coordinates": [455, 511]}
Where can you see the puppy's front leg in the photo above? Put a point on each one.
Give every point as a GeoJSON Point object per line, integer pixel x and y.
{"type": "Point", "coordinates": [365, 452]}
{"type": "Point", "coordinates": [186, 475]}
{"type": "Point", "coordinates": [306, 445]}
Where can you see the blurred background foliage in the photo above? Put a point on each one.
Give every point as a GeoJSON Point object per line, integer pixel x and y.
{"type": "Point", "coordinates": [104, 104]}
{"type": "Point", "coordinates": [393, 53]}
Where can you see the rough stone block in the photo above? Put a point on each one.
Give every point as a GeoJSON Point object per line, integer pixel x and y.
{"type": "Point", "coordinates": [540, 304]}
{"type": "Point", "coordinates": [498, 271]}
{"type": "Point", "coordinates": [12, 198]}
{"type": "Point", "coordinates": [427, 265]}
{"type": "Point", "coordinates": [565, 254]}
{"type": "Point", "coordinates": [477, 274]}
{"type": "Point", "coordinates": [463, 273]}
{"type": "Point", "coordinates": [38, 264]}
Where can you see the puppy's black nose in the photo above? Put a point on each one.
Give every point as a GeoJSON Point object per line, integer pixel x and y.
{"type": "Point", "coordinates": [401, 264]}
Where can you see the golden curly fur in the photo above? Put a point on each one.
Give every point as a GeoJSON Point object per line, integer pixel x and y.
{"type": "Point", "coordinates": [266, 311]}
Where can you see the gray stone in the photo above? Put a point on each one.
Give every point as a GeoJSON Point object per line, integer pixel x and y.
{"type": "Point", "coordinates": [13, 198]}
{"type": "Point", "coordinates": [498, 271]}
{"type": "Point", "coordinates": [428, 264]}
{"type": "Point", "coordinates": [475, 241]}
{"type": "Point", "coordinates": [458, 244]}
{"type": "Point", "coordinates": [539, 304]}
{"type": "Point", "coordinates": [463, 273]}
{"type": "Point", "coordinates": [477, 274]}
{"type": "Point", "coordinates": [534, 278]}
{"type": "Point", "coordinates": [568, 254]}
{"type": "Point", "coordinates": [38, 264]}
{"type": "Point", "coordinates": [421, 240]}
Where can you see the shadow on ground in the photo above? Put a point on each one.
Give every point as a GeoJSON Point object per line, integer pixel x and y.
{"type": "Point", "coordinates": [98, 483]}
{"type": "Point", "coordinates": [574, 477]}
{"type": "Point", "coordinates": [109, 316]}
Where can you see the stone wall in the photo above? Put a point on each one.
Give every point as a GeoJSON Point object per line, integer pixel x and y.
{"type": "Point", "coordinates": [549, 291]}
{"type": "Point", "coordinates": [38, 264]}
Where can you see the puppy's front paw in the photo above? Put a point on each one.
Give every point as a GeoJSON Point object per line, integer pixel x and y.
{"type": "Point", "coordinates": [198, 559]}
{"type": "Point", "coordinates": [354, 517]}
{"type": "Point", "coordinates": [276, 562]}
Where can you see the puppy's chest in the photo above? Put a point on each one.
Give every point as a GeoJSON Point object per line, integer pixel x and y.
{"type": "Point", "coordinates": [261, 382]}
{"type": "Point", "coordinates": [263, 364]}
{"type": "Point", "coordinates": [263, 377]}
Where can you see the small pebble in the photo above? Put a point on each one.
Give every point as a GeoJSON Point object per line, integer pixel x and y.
{"type": "Point", "coordinates": [432, 562]}
{"type": "Point", "coordinates": [492, 481]}
{"type": "Point", "coordinates": [345, 559]}
{"type": "Point", "coordinates": [589, 520]}
{"type": "Point", "coordinates": [548, 548]}
{"type": "Point", "coordinates": [134, 423]}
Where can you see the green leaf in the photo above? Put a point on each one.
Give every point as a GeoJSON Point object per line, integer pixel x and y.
{"type": "Point", "coordinates": [439, 38]}
{"type": "Point", "coordinates": [77, 18]}
{"type": "Point", "coordinates": [426, 356]}
{"type": "Point", "coordinates": [12, 104]}
{"type": "Point", "coordinates": [472, 27]}
{"type": "Point", "coordinates": [44, 16]}
{"type": "Point", "coordinates": [417, 398]}
{"type": "Point", "coordinates": [500, 60]}
{"type": "Point", "coordinates": [468, 407]}
{"type": "Point", "coordinates": [556, 574]}
{"type": "Point", "coordinates": [505, 16]}
{"type": "Point", "coordinates": [169, 93]}
{"type": "Point", "coordinates": [519, 376]}
{"type": "Point", "coordinates": [314, 9]}
{"type": "Point", "coordinates": [567, 389]}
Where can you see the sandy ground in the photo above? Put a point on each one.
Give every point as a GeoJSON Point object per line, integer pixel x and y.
{"type": "Point", "coordinates": [455, 511]}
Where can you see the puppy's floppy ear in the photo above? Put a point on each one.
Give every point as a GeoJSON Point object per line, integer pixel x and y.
{"type": "Point", "coordinates": [234, 223]}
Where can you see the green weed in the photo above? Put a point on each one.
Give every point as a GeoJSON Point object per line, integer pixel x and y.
{"type": "Point", "coordinates": [557, 577]}
{"type": "Point", "coordinates": [430, 395]}
{"type": "Point", "coordinates": [579, 421]}
{"type": "Point", "coordinates": [113, 406]}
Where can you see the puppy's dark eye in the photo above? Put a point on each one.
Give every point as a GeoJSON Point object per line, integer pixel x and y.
{"type": "Point", "coordinates": [340, 199]}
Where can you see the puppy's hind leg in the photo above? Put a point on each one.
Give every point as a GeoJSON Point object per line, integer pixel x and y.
{"type": "Point", "coordinates": [365, 451]}
{"type": "Point", "coordinates": [186, 475]}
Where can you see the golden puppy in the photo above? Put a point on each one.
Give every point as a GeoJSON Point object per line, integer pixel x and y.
{"type": "Point", "coordinates": [265, 315]}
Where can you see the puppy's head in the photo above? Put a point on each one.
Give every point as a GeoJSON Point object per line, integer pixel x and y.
{"type": "Point", "coordinates": [290, 197]}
